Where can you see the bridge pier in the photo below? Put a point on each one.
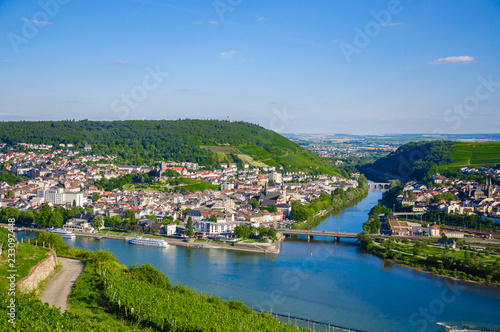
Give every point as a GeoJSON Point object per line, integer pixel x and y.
{"type": "Point", "coordinates": [337, 238]}
{"type": "Point", "coordinates": [309, 238]}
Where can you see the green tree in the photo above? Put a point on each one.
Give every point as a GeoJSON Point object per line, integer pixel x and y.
{"type": "Point", "coordinates": [189, 227]}
{"type": "Point", "coordinates": [254, 203]}
{"type": "Point", "coordinates": [152, 217]}
{"type": "Point", "coordinates": [272, 232]}
{"type": "Point", "coordinates": [365, 239]}
{"type": "Point", "coordinates": [213, 217]}
{"type": "Point", "coordinates": [262, 231]}
{"type": "Point", "coordinates": [95, 197]}
{"type": "Point", "coordinates": [98, 221]}
{"type": "Point", "coordinates": [130, 214]}
{"type": "Point", "coordinates": [53, 239]}
{"type": "Point", "coordinates": [243, 231]}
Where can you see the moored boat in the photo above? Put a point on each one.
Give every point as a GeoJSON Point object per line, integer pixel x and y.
{"type": "Point", "coordinates": [63, 233]}
{"type": "Point", "coordinates": [149, 242]}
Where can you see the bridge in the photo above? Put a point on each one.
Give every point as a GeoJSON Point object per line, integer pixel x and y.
{"type": "Point", "coordinates": [311, 234]}
{"type": "Point", "coordinates": [379, 185]}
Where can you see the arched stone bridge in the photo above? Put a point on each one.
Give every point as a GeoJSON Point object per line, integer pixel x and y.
{"type": "Point", "coordinates": [379, 185]}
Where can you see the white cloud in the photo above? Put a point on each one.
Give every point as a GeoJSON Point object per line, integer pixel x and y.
{"type": "Point", "coordinates": [453, 59]}
{"type": "Point", "coordinates": [36, 22]}
{"type": "Point", "coordinates": [391, 24]}
{"type": "Point", "coordinates": [336, 40]}
{"type": "Point", "coordinates": [213, 22]}
{"type": "Point", "coordinates": [228, 54]}
{"type": "Point", "coordinates": [14, 114]}
{"type": "Point", "coordinates": [120, 63]}
{"type": "Point", "coordinates": [262, 19]}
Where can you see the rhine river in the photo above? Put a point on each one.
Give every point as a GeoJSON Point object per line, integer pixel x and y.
{"type": "Point", "coordinates": [333, 283]}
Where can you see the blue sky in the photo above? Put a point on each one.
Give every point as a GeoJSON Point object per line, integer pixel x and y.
{"type": "Point", "coordinates": [338, 66]}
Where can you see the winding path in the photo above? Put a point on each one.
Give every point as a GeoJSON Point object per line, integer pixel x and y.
{"type": "Point", "coordinates": [59, 288]}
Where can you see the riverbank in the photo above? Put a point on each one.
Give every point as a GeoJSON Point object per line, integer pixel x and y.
{"type": "Point", "coordinates": [262, 248]}
{"type": "Point", "coordinates": [449, 263]}
{"type": "Point", "coordinates": [334, 285]}
{"type": "Point", "coordinates": [358, 195]}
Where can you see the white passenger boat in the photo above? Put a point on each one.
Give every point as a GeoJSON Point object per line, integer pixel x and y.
{"type": "Point", "coordinates": [63, 233]}
{"type": "Point", "coordinates": [148, 242]}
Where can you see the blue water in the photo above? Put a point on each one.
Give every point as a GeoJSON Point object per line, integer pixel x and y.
{"type": "Point", "coordinates": [333, 283]}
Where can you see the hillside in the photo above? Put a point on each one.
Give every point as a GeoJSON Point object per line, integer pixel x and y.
{"type": "Point", "coordinates": [109, 296]}
{"type": "Point", "coordinates": [419, 160]}
{"type": "Point", "coordinates": [207, 142]}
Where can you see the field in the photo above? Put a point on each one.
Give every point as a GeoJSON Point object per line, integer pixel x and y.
{"type": "Point", "coordinates": [256, 151]}
{"type": "Point", "coordinates": [249, 160]}
{"type": "Point", "coordinates": [258, 156]}
{"type": "Point", "coordinates": [475, 154]}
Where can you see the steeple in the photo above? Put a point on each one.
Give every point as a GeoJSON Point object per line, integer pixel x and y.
{"type": "Point", "coordinates": [266, 188]}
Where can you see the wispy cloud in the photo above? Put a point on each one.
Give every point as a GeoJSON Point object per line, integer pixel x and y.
{"type": "Point", "coordinates": [336, 40]}
{"type": "Point", "coordinates": [121, 63]}
{"type": "Point", "coordinates": [166, 5]}
{"type": "Point", "coordinates": [14, 114]}
{"type": "Point", "coordinates": [209, 22]}
{"type": "Point", "coordinates": [453, 59]}
{"type": "Point", "coordinates": [24, 19]}
{"type": "Point", "coordinates": [6, 60]}
{"type": "Point", "coordinates": [262, 19]}
{"type": "Point", "coordinates": [305, 42]}
{"type": "Point", "coordinates": [391, 24]}
{"type": "Point", "coordinates": [228, 54]}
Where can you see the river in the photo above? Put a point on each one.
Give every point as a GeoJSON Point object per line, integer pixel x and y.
{"type": "Point", "coordinates": [333, 283]}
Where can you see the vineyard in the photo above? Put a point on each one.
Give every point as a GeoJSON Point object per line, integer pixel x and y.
{"type": "Point", "coordinates": [33, 315]}
{"type": "Point", "coordinates": [180, 309]}
{"type": "Point", "coordinates": [108, 296]}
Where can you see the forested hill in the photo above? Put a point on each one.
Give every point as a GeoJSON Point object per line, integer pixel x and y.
{"type": "Point", "coordinates": [207, 142]}
{"type": "Point", "coordinates": [420, 160]}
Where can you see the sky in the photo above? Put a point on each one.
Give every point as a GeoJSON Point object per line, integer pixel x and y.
{"type": "Point", "coordinates": [317, 66]}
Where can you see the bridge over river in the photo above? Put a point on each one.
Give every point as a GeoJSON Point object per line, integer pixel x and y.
{"type": "Point", "coordinates": [379, 185]}
{"type": "Point", "coordinates": [312, 233]}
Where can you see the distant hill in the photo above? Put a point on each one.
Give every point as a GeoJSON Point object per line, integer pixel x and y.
{"type": "Point", "coordinates": [207, 142]}
{"type": "Point", "coordinates": [420, 160]}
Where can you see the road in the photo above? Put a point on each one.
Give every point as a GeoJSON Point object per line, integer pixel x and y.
{"type": "Point", "coordinates": [59, 288]}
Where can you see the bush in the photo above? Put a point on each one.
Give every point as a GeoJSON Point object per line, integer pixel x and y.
{"type": "Point", "coordinates": [53, 239]}
{"type": "Point", "coordinates": [150, 274]}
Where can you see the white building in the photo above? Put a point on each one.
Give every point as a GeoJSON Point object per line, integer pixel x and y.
{"type": "Point", "coordinates": [227, 186]}
{"type": "Point", "coordinates": [276, 177]}
{"type": "Point", "coordinates": [57, 196]}
{"type": "Point", "coordinates": [215, 228]}
{"type": "Point", "coordinates": [170, 229]}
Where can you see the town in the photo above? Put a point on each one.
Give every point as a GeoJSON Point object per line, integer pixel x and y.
{"type": "Point", "coordinates": [452, 198]}
{"type": "Point", "coordinates": [258, 197]}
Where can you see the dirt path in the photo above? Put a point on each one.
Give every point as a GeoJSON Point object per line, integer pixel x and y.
{"type": "Point", "coordinates": [58, 289]}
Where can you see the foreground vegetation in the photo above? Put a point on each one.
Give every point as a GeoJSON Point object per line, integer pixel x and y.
{"type": "Point", "coordinates": [109, 296]}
